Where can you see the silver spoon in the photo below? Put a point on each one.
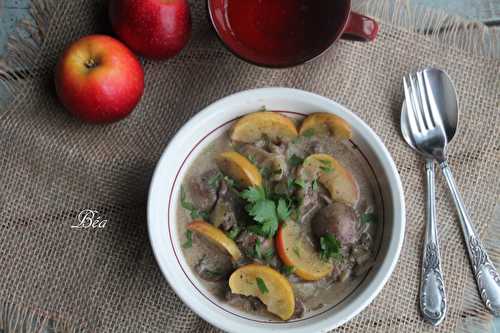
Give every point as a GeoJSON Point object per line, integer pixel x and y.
{"type": "Point", "coordinates": [432, 115]}
{"type": "Point", "coordinates": [432, 296]}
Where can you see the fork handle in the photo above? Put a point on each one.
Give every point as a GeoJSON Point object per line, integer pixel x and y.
{"type": "Point", "coordinates": [432, 293]}
{"type": "Point", "coordinates": [487, 277]}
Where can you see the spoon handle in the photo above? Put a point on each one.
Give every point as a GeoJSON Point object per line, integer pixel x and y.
{"type": "Point", "coordinates": [432, 294]}
{"type": "Point", "coordinates": [487, 277]}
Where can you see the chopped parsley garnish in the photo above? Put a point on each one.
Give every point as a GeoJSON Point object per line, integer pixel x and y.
{"type": "Point", "coordinates": [283, 210]}
{"type": "Point", "coordinates": [268, 255]}
{"type": "Point", "coordinates": [189, 239]}
{"type": "Point", "coordinates": [369, 218]}
{"type": "Point", "coordinates": [195, 213]}
{"type": "Point", "coordinates": [262, 210]}
{"type": "Point", "coordinates": [252, 159]}
{"type": "Point", "coordinates": [327, 166]}
{"type": "Point", "coordinates": [315, 185]}
{"type": "Point", "coordinates": [230, 182]}
{"type": "Point", "coordinates": [262, 286]}
{"type": "Point", "coordinates": [288, 270]}
{"type": "Point", "coordinates": [254, 194]}
{"type": "Point", "coordinates": [329, 247]}
{"type": "Point", "coordinates": [262, 108]}
{"type": "Point", "coordinates": [296, 250]}
{"type": "Point", "coordinates": [216, 273]}
{"type": "Point", "coordinates": [294, 160]}
{"type": "Point", "coordinates": [308, 133]}
{"type": "Point", "coordinates": [214, 181]}
{"type": "Point", "coordinates": [233, 233]}
{"type": "Point", "coordinates": [256, 251]}
{"type": "Point", "coordinates": [300, 183]}
{"type": "Point", "coordinates": [290, 184]}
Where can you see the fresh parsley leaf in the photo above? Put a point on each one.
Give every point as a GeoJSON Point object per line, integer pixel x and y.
{"type": "Point", "coordinates": [254, 194]}
{"type": "Point", "coordinates": [189, 239]}
{"type": "Point", "coordinates": [268, 255]}
{"type": "Point", "coordinates": [294, 160]}
{"type": "Point", "coordinates": [270, 227]}
{"type": "Point", "coordinates": [296, 250]}
{"type": "Point", "coordinates": [256, 229]}
{"type": "Point", "coordinates": [369, 218]}
{"type": "Point", "coordinates": [234, 232]}
{"type": "Point", "coordinates": [214, 181]}
{"type": "Point", "coordinates": [257, 252]}
{"type": "Point", "coordinates": [329, 247]}
{"type": "Point", "coordinates": [308, 133]}
{"type": "Point", "coordinates": [327, 166]}
{"type": "Point", "coordinates": [252, 159]}
{"type": "Point", "coordinates": [263, 210]}
{"type": "Point", "coordinates": [290, 184]}
{"type": "Point", "coordinates": [214, 273]}
{"type": "Point", "coordinates": [326, 162]}
{"type": "Point", "coordinates": [288, 270]}
{"type": "Point", "coordinates": [283, 210]}
{"type": "Point", "coordinates": [326, 169]}
{"type": "Point", "coordinates": [230, 182]}
{"type": "Point", "coordinates": [300, 183]}
{"type": "Point", "coordinates": [195, 213]}
{"type": "Point", "coordinates": [262, 285]}
{"type": "Point", "coordinates": [315, 185]}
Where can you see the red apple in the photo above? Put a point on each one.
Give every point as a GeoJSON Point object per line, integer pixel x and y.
{"type": "Point", "coordinates": [156, 29]}
{"type": "Point", "coordinates": [98, 79]}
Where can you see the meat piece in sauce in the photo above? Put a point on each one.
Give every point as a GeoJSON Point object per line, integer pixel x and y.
{"type": "Point", "coordinates": [202, 192]}
{"type": "Point", "coordinates": [229, 208]}
{"type": "Point", "coordinates": [338, 219]}
{"type": "Point", "coordinates": [248, 303]}
{"type": "Point", "coordinates": [247, 242]}
{"type": "Point", "coordinates": [214, 267]}
{"type": "Point", "coordinates": [274, 164]}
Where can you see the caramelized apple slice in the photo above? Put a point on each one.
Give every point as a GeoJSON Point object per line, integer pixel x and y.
{"type": "Point", "coordinates": [239, 168]}
{"type": "Point", "coordinates": [326, 122]}
{"type": "Point", "coordinates": [333, 176]}
{"type": "Point", "coordinates": [294, 250]}
{"type": "Point", "coordinates": [267, 284]}
{"type": "Point", "coordinates": [255, 126]}
{"type": "Point", "coordinates": [216, 236]}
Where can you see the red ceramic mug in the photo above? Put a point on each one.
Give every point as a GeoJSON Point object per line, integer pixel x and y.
{"type": "Point", "coordinates": [285, 33]}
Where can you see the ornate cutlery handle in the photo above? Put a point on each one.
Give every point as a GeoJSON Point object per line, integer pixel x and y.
{"type": "Point", "coordinates": [487, 278]}
{"type": "Point", "coordinates": [432, 294]}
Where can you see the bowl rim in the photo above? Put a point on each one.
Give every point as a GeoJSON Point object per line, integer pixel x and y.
{"type": "Point", "coordinates": [219, 318]}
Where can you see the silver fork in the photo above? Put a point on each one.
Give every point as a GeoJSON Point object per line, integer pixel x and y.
{"type": "Point", "coordinates": [429, 132]}
{"type": "Point", "coordinates": [432, 295]}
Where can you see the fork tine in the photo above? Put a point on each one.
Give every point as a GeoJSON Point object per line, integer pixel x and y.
{"type": "Point", "coordinates": [432, 102]}
{"type": "Point", "coordinates": [409, 107]}
{"type": "Point", "coordinates": [417, 102]}
{"type": "Point", "coordinates": [424, 97]}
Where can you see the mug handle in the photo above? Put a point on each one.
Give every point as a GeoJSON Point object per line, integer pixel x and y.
{"type": "Point", "coordinates": [360, 28]}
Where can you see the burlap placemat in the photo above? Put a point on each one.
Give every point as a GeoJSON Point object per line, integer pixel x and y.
{"type": "Point", "coordinates": [53, 166]}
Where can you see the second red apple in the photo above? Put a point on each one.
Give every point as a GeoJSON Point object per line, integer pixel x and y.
{"type": "Point", "coordinates": [156, 29]}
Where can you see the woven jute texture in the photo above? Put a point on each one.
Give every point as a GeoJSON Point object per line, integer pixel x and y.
{"type": "Point", "coordinates": [106, 280]}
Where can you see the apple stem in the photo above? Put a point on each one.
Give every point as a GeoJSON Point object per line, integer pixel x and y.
{"type": "Point", "coordinates": [91, 63]}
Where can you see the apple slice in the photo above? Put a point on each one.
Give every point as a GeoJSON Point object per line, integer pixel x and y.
{"type": "Point", "coordinates": [239, 168]}
{"type": "Point", "coordinates": [216, 236]}
{"type": "Point", "coordinates": [333, 176]}
{"type": "Point", "coordinates": [294, 250]}
{"type": "Point", "coordinates": [321, 122]}
{"type": "Point", "coordinates": [267, 284]}
{"type": "Point", "coordinates": [255, 126]}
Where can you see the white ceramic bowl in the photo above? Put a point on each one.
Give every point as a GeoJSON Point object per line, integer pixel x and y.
{"type": "Point", "coordinates": [200, 131]}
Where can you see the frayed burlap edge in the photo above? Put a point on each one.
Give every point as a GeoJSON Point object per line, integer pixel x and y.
{"type": "Point", "coordinates": [23, 47]}
{"type": "Point", "coordinates": [23, 54]}
{"type": "Point", "coordinates": [24, 319]}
